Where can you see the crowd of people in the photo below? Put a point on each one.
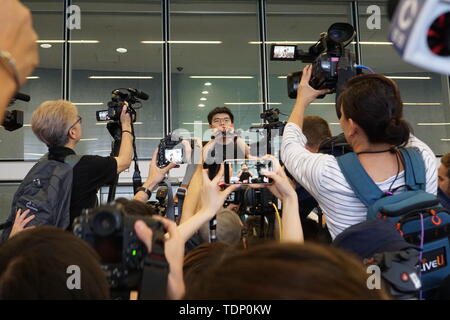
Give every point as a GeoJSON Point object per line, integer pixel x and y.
{"type": "Point", "coordinates": [226, 259]}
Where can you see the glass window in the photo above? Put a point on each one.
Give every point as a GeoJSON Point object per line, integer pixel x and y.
{"type": "Point", "coordinates": [42, 85]}
{"type": "Point", "coordinates": [300, 23]}
{"type": "Point", "coordinates": [424, 94]}
{"type": "Point", "coordinates": [110, 52]}
{"type": "Point", "coordinates": [213, 63]}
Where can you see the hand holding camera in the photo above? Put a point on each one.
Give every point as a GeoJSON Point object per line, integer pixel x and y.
{"type": "Point", "coordinates": [307, 94]}
{"type": "Point", "coordinates": [213, 196]}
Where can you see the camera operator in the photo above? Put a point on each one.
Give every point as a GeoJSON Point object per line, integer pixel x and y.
{"type": "Point", "coordinates": [18, 50]}
{"type": "Point", "coordinates": [372, 122]}
{"type": "Point", "coordinates": [58, 125]}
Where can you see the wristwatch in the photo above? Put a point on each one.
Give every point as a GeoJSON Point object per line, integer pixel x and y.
{"type": "Point", "coordinates": [147, 191]}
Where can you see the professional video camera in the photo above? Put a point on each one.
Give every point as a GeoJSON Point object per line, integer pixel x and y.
{"type": "Point", "coordinates": [13, 120]}
{"type": "Point", "coordinates": [110, 231]}
{"type": "Point", "coordinates": [118, 98]}
{"type": "Point", "coordinates": [272, 129]}
{"type": "Point", "coordinates": [332, 64]}
{"type": "Point", "coordinates": [399, 271]}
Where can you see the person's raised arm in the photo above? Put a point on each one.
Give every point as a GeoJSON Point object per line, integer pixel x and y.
{"type": "Point", "coordinates": [126, 145]}
{"type": "Point", "coordinates": [155, 176]}
{"type": "Point", "coordinates": [213, 198]}
{"type": "Point", "coordinates": [19, 54]}
{"type": "Point", "coordinates": [291, 227]}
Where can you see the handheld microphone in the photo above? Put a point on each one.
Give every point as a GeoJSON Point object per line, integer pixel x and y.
{"type": "Point", "coordinates": [22, 97]}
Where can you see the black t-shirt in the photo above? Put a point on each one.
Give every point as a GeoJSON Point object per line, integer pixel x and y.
{"type": "Point", "coordinates": [245, 176]}
{"type": "Point", "coordinates": [89, 174]}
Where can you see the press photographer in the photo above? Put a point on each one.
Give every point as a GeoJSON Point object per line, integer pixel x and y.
{"type": "Point", "coordinates": [63, 183]}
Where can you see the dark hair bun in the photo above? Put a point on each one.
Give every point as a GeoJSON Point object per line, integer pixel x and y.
{"type": "Point", "coordinates": [397, 132]}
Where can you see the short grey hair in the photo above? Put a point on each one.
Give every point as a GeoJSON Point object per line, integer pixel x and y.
{"type": "Point", "coordinates": [51, 121]}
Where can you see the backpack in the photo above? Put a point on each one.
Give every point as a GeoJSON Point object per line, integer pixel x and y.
{"type": "Point", "coordinates": [418, 215]}
{"type": "Point", "coordinates": [46, 191]}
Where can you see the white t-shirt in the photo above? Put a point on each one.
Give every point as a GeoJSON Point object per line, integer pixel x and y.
{"type": "Point", "coordinates": [321, 176]}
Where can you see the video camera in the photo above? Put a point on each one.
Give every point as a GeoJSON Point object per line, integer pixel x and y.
{"type": "Point", "coordinates": [13, 120]}
{"type": "Point", "coordinates": [399, 271]}
{"type": "Point", "coordinates": [110, 231]}
{"type": "Point", "coordinates": [332, 64]}
{"type": "Point", "coordinates": [118, 98]}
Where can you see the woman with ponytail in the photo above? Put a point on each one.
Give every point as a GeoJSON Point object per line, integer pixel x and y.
{"type": "Point", "coordinates": [372, 121]}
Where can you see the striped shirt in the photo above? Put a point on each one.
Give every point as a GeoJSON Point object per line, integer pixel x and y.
{"type": "Point", "coordinates": [321, 176]}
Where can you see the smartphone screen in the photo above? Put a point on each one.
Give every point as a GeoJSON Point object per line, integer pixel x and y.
{"type": "Point", "coordinates": [174, 155]}
{"type": "Point", "coordinates": [245, 171]}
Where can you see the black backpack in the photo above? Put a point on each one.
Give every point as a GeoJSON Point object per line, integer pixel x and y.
{"type": "Point", "coordinates": [46, 191]}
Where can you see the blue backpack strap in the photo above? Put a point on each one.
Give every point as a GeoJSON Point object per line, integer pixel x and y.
{"type": "Point", "coordinates": [358, 179]}
{"type": "Point", "coordinates": [414, 168]}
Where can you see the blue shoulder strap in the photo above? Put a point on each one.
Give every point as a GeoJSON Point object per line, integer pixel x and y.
{"type": "Point", "coordinates": [414, 168]}
{"type": "Point", "coordinates": [366, 189]}
{"type": "Point", "coordinates": [358, 179]}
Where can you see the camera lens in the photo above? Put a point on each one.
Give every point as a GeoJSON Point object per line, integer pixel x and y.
{"type": "Point", "coordinates": [105, 223]}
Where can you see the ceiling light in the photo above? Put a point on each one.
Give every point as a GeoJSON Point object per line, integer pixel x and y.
{"type": "Point", "coordinates": [50, 41]}
{"type": "Point", "coordinates": [33, 154]}
{"type": "Point", "coordinates": [248, 103]}
{"type": "Point", "coordinates": [121, 50]}
{"type": "Point", "coordinates": [314, 42]}
{"type": "Point", "coordinates": [197, 122]}
{"type": "Point", "coordinates": [148, 138]}
{"type": "Point", "coordinates": [205, 92]}
{"type": "Point", "coordinates": [33, 77]}
{"type": "Point", "coordinates": [83, 41]}
{"type": "Point", "coordinates": [421, 103]}
{"type": "Point", "coordinates": [323, 103]}
{"type": "Point", "coordinates": [182, 42]}
{"type": "Point", "coordinates": [46, 45]}
{"type": "Point", "coordinates": [445, 139]}
{"type": "Point", "coordinates": [203, 99]}
{"type": "Point", "coordinates": [88, 103]}
{"type": "Point", "coordinates": [208, 83]}
{"type": "Point", "coordinates": [433, 124]}
{"type": "Point", "coordinates": [201, 105]}
{"type": "Point", "coordinates": [221, 77]}
{"type": "Point", "coordinates": [120, 77]}
{"type": "Point", "coordinates": [408, 78]}
{"type": "Point", "coordinates": [89, 139]}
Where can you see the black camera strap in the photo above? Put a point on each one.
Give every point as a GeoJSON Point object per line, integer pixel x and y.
{"type": "Point", "coordinates": [170, 210]}
{"type": "Point", "coordinates": [137, 180]}
{"type": "Point", "coordinates": [154, 275]}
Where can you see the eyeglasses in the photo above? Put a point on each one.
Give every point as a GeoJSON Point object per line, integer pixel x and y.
{"type": "Point", "coordinates": [219, 120]}
{"type": "Point", "coordinates": [78, 120]}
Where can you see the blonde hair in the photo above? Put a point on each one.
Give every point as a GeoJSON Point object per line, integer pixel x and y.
{"type": "Point", "coordinates": [51, 121]}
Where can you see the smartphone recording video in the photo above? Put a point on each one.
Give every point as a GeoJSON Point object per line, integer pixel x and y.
{"type": "Point", "coordinates": [283, 52]}
{"type": "Point", "coordinates": [243, 171]}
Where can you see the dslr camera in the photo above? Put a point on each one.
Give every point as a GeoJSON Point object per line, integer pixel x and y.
{"type": "Point", "coordinates": [118, 99]}
{"type": "Point", "coordinates": [171, 149]}
{"type": "Point", "coordinates": [332, 64]}
{"type": "Point", "coordinates": [110, 231]}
